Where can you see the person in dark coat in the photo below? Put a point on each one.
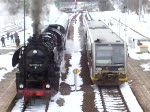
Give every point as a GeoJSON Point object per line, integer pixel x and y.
{"type": "Point", "coordinates": [17, 40]}
{"type": "Point", "coordinates": [16, 35]}
{"type": "Point", "coordinates": [7, 34]}
{"type": "Point", "coordinates": [12, 38]}
{"type": "Point", "coordinates": [3, 41]}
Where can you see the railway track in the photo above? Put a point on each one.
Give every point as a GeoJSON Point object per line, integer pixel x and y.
{"type": "Point", "coordinates": [147, 38]}
{"type": "Point", "coordinates": [121, 23]}
{"type": "Point", "coordinates": [112, 100]}
{"type": "Point", "coordinates": [33, 105]}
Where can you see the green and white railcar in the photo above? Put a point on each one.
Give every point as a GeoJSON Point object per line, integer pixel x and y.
{"type": "Point", "coordinates": [106, 53]}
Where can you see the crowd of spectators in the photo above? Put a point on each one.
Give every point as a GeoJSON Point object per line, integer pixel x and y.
{"type": "Point", "coordinates": [14, 38]}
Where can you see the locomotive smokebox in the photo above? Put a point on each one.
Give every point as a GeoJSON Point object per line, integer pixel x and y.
{"type": "Point", "coordinates": [35, 36]}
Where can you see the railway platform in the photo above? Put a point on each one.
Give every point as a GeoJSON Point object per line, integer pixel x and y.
{"type": "Point", "coordinates": [139, 81]}
{"type": "Point", "coordinates": [7, 91]}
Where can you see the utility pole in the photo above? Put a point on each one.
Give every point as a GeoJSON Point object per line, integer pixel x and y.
{"type": "Point", "coordinates": [140, 9]}
{"type": "Point", "coordinates": [119, 16]}
{"type": "Point", "coordinates": [127, 6]}
{"type": "Point", "coordinates": [24, 21]}
{"type": "Point", "coordinates": [75, 4]}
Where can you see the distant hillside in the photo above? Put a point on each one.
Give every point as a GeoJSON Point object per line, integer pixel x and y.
{"type": "Point", "coordinates": [77, 0]}
{"type": "Point", "coordinates": [133, 5]}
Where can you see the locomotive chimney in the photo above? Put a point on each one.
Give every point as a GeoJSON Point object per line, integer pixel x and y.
{"type": "Point", "coordinates": [36, 12]}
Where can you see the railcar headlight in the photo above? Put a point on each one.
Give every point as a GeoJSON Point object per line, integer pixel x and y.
{"type": "Point", "coordinates": [34, 51]}
{"type": "Point", "coordinates": [21, 86]}
{"type": "Point", "coordinates": [99, 69]}
{"type": "Point", "coordinates": [47, 86]}
{"type": "Point", "coordinates": [121, 69]}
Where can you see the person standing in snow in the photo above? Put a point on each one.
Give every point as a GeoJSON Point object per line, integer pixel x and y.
{"type": "Point", "coordinates": [7, 34]}
{"type": "Point", "coordinates": [3, 41]}
{"type": "Point", "coordinates": [16, 35]}
{"type": "Point", "coordinates": [17, 40]}
{"type": "Point", "coordinates": [12, 40]}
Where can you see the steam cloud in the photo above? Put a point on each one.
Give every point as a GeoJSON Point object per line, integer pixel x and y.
{"type": "Point", "coordinates": [36, 13]}
{"type": "Point", "coordinates": [11, 6]}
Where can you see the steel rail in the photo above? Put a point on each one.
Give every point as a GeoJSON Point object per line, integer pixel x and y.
{"type": "Point", "coordinates": [113, 97]}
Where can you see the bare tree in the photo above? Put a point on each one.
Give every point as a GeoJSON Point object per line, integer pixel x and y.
{"type": "Point", "coordinates": [135, 5]}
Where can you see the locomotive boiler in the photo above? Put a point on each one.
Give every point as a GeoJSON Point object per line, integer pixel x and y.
{"type": "Point", "coordinates": [39, 61]}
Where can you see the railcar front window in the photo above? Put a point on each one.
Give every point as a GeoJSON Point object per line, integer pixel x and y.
{"type": "Point", "coordinates": [109, 55]}
{"type": "Point", "coordinates": [103, 57]}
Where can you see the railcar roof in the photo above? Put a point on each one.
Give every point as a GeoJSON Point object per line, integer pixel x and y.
{"type": "Point", "coordinates": [99, 30]}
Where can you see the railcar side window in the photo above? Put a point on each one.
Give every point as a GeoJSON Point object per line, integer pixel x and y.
{"type": "Point", "coordinates": [89, 47]}
{"type": "Point", "coordinates": [118, 54]}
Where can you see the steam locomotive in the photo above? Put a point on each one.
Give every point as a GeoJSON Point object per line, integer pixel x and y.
{"type": "Point", "coordinates": [39, 61]}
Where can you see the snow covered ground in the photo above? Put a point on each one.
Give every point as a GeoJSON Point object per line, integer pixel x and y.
{"type": "Point", "coordinates": [74, 101]}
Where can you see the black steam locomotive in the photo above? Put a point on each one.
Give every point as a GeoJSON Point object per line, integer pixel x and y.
{"type": "Point", "coordinates": [39, 62]}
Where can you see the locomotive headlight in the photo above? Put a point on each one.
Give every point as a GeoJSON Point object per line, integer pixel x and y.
{"type": "Point", "coordinates": [47, 86]}
{"type": "Point", "coordinates": [21, 86]}
{"type": "Point", "coordinates": [99, 69]}
{"type": "Point", "coordinates": [121, 69]}
{"type": "Point", "coordinates": [34, 51]}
